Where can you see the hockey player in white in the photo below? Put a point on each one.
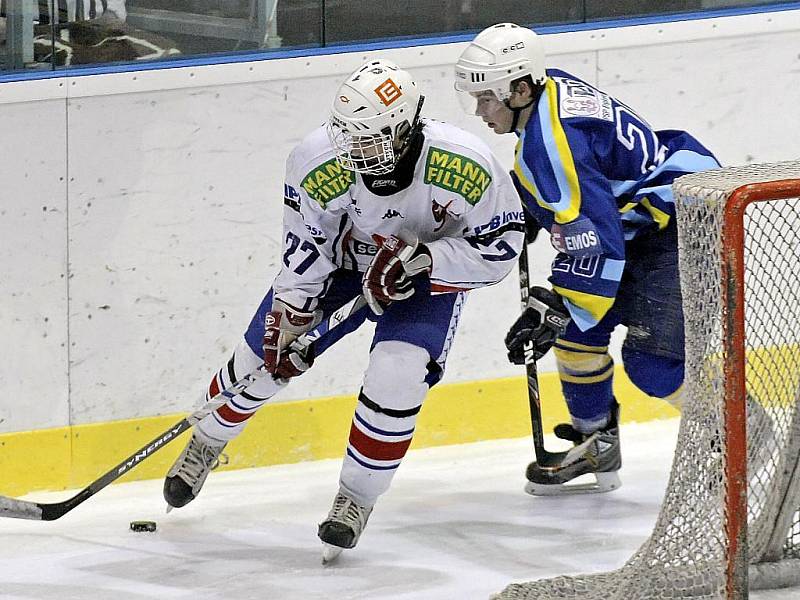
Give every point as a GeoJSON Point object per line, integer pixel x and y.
{"type": "Point", "coordinates": [410, 212]}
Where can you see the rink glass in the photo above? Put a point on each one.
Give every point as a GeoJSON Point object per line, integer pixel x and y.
{"type": "Point", "coordinates": [51, 35]}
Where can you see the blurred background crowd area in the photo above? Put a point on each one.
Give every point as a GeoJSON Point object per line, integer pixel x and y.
{"type": "Point", "coordinates": [57, 34]}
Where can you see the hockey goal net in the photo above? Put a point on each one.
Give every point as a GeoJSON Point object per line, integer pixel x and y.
{"type": "Point", "coordinates": [730, 512]}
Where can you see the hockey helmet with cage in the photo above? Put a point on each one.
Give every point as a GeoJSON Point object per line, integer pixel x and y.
{"type": "Point", "coordinates": [373, 113]}
{"type": "Point", "coordinates": [498, 55]}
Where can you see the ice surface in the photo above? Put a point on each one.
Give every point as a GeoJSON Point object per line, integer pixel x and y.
{"type": "Point", "coordinates": [455, 525]}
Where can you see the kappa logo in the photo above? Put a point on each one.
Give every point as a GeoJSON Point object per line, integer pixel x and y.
{"type": "Point", "coordinates": [391, 214]}
{"type": "Point", "coordinates": [439, 213]}
{"type": "Point", "coordinates": [388, 92]}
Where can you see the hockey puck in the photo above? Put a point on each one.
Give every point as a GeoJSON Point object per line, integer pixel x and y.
{"type": "Point", "coordinates": [148, 526]}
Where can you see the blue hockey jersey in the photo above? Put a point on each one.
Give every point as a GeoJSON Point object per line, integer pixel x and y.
{"type": "Point", "coordinates": [595, 174]}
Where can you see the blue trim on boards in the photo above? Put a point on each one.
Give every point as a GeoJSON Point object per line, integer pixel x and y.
{"type": "Point", "coordinates": [384, 44]}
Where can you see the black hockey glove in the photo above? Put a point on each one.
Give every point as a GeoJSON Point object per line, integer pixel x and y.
{"type": "Point", "coordinates": [532, 227]}
{"type": "Point", "coordinates": [537, 328]}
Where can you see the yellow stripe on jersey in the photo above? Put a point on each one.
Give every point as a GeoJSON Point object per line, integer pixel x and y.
{"type": "Point", "coordinates": [596, 306]}
{"type": "Point", "coordinates": [628, 207]}
{"type": "Point", "coordinates": [562, 163]}
{"type": "Point", "coordinates": [659, 216]}
{"type": "Point", "coordinates": [522, 174]}
{"type": "Point", "coordinates": [567, 207]}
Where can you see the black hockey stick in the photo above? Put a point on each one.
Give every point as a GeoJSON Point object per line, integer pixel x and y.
{"type": "Point", "coordinates": [543, 457]}
{"type": "Point", "coordinates": [24, 509]}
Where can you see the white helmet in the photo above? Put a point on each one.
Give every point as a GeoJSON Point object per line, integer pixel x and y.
{"type": "Point", "coordinates": [497, 56]}
{"type": "Point", "coordinates": [373, 111]}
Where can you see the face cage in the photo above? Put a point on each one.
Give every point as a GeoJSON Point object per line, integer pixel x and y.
{"type": "Point", "coordinates": [368, 154]}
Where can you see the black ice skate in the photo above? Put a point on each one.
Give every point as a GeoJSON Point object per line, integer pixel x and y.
{"type": "Point", "coordinates": [189, 473]}
{"type": "Point", "coordinates": [596, 454]}
{"type": "Point", "coordinates": [343, 527]}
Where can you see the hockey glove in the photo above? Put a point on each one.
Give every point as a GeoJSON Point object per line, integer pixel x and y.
{"type": "Point", "coordinates": [282, 326]}
{"type": "Point", "coordinates": [544, 319]}
{"type": "Point", "coordinates": [532, 227]}
{"type": "Point", "coordinates": [389, 276]}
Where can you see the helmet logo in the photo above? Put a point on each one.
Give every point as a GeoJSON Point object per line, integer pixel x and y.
{"type": "Point", "coordinates": [344, 99]}
{"type": "Point", "coordinates": [512, 47]}
{"type": "Point", "coordinates": [388, 92]}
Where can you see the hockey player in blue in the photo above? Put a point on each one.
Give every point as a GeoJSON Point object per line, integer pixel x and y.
{"type": "Point", "coordinates": [594, 174]}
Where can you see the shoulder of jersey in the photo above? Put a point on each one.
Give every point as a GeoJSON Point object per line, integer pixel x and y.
{"type": "Point", "coordinates": [580, 100]}
{"type": "Point", "coordinates": [312, 165]}
{"type": "Point", "coordinates": [447, 136]}
{"type": "Point", "coordinates": [457, 161]}
{"type": "Point", "coordinates": [314, 148]}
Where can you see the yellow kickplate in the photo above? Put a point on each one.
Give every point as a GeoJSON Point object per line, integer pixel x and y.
{"type": "Point", "coordinates": [456, 413]}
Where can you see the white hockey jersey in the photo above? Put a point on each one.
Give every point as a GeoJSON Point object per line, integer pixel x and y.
{"type": "Point", "coordinates": [461, 203]}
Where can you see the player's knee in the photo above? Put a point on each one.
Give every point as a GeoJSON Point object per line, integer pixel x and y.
{"type": "Point", "coordinates": [396, 374]}
{"type": "Point", "coordinates": [657, 376]}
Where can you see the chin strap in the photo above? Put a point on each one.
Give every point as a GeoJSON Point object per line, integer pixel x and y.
{"type": "Point", "coordinates": [517, 111]}
{"type": "Point", "coordinates": [414, 128]}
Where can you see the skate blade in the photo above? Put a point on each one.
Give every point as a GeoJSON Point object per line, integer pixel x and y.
{"type": "Point", "coordinates": [604, 482]}
{"type": "Point", "coordinates": [330, 553]}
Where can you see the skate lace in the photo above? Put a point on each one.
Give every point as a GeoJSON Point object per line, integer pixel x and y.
{"type": "Point", "coordinates": [200, 459]}
{"type": "Point", "coordinates": [348, 512]}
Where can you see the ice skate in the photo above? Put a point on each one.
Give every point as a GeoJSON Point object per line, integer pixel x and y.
{"type": "Point", "coordinates": [596, 454]}
{"type": "Point", "coordinates": [189, 473]}
{"type": "Point", "coordinates": [343, 527]}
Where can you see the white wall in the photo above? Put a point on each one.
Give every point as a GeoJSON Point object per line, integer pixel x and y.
{"type": "Point", "coordinates": [154, 200]}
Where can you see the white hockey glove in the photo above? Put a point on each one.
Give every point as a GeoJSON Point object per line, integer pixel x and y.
{"type": "Point", "coordinates": [389, 276]}
{"type": "Point", "coordinates": [282, 325]}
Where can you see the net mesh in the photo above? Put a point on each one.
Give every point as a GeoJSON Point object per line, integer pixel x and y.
{"type": "Point", "coordinates": [685, 555]}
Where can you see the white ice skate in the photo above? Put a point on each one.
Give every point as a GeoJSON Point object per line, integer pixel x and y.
{"type": "Point", "coordinates": [188, 474]}
{"type": "Point", "coordinates": [343, 527]}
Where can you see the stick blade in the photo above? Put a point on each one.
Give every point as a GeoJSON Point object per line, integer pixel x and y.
{"type": "Point", "coordinates": [20, 509]}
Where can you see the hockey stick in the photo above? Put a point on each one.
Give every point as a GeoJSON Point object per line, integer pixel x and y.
{"type": "Point", "coordinates": [543, 457]}
{"type": "Point", "coordinates": [24, 509]}
{"type": "Point", "coordinates": [549, 461]}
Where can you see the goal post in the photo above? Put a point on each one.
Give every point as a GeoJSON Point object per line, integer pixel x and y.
{"type": "Point", "coordinates": [736, 224]}
{"type": "Point", "coordinates": [730, 519]}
